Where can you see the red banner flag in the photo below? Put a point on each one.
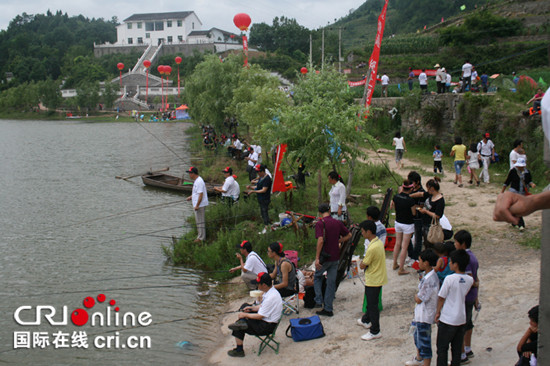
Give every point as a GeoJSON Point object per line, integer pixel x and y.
{"type": "Point", "coordinates": [278, 179]}
{"type": "Point", "coordinates": [373, 62]}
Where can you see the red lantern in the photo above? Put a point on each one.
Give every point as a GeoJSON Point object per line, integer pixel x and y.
{"type": "Point", "coordinates": [167, 69]}
{"type": "Point", "coordinates": [303, 70]}
{"type": "Point", "coordinates": [160, 69]}
{"type": "Point", "coordinates": [147, 64]}
{"type": "Point", "coordinates": [178, 60]}
{"type": "Point", "coordinates": [232, 36]}
{"type": "Point", "coordinates": [120, 66]}
{"type": "Point", "coordinates": [242, 21]}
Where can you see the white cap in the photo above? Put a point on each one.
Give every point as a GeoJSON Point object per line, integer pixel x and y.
{"type": "Point", "coordinates": [520, 162]}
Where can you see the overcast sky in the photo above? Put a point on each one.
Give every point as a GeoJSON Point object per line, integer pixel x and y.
{"type": "Point", "coordinates": [212, 13]}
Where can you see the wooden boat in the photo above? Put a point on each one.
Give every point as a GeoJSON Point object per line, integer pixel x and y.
{"type": "Point", "coordinates": [173, 183]}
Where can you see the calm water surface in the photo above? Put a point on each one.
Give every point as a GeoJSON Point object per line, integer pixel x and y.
{"type": "Point", "coordinates": [70, 230]}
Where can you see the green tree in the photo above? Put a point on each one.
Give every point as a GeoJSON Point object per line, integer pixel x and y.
{"type": "Point", "coordinates": [50, 94]}
{"type": "Point", "coordinates": [322, 124]}
{"type": "Point", "coordinates": [87, 95]}
{"type": "Point", "coordinates": [209, 90]}
{"type": "Point", "coordinates": [109, 94]}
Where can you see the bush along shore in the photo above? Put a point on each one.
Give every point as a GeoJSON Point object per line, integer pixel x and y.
{"type": "Point", "coordinates": [228, 225]}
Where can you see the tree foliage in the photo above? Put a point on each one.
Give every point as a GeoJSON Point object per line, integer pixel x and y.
{"type": "Point", "coordinates": [321, 124]}
{"type": "Point", "coordinates": [33, 47]}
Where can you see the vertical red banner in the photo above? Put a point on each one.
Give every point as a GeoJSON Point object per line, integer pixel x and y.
{"type": "Point", "coordinates": [278, 179]}
{"type": "Point", "coordinates": [245, 50]}
{"type": "Point", "coordinates": [373, 62]}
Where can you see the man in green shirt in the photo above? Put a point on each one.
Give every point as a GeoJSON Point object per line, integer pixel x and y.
{"type": "Point", "coordinates": [374, 265]}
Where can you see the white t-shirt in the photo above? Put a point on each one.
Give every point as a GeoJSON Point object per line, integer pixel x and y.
{"type": "Point", "coordinates": [337, 196]}
{"type": "Point", "coordinates": [198, 187]}
{"type": "Point", "coordinates": [448, 79]}
{"type": "Point", "coordinates": [467, 69]}
{"type": "Point", "coordinates": [231, 188]}
{"type": "Point", "coordinates": [427, 292]}
{"type": "Point", "coordinates": [253, 158]}
{"type": "Point", "coordinates": [474, 75]}
{"type": "Point", "coordinates": [423, 79]}
{"type": "Point", "coordinates": [454, 290]}
{"type": "Point", "coordinates": [439, 75]}
{"type": "Point", "coordinates": [398, 143]}
{"type": "Point", "coordinates": [238, 145]}
{"type": "Point", "coordinates": [513, 158]}
{"type": "Point", "coordinates": [385, 79]}
{"type": "Point", "coordinates": [486, 149]}
{"type": "Point", "coordinates": [271, 307]}
{"type": "Point", "coordinates": [254, 263]}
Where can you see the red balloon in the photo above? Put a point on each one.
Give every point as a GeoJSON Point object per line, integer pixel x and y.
{"type": "Point", "coordinates": [160, 69]}
{"type": "Point", "coordinates": [303, 70]}
{"type": "Point", "coordinates": [167, 69]}
{"type": "Point", "coordinates": [120, 66]}
{"type": "Point", "coordinates": [147, 63]}
{"type": "Point", "coordinates": [242, 21]}
{"type": "Point", "coordinates": [178, 60]}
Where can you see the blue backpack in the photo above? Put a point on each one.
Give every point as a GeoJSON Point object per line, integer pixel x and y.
{"type": "Point", "coordinates": [304, 329]}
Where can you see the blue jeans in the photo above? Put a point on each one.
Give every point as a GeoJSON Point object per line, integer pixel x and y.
{"type": "Point", "coordinates": [331, 268]}
{"type": "Point", "coordinates": [458, 166]}
{"type": "Point", "coordinates": [423, 339]}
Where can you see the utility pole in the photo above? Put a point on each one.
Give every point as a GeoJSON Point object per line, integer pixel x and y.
{"type": "Point", "coordinates": [323, 49]}
{"type": "Point", "coordinates": [340, 49]}
{"type": "Point", "coordinates": [310, 51]}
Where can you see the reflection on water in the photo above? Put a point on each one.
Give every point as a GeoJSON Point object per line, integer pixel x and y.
{"type": "Point", "coordinates": [70, 230]}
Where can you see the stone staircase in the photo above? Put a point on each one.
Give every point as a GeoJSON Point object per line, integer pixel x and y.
{"type": "Point", "coordinates": [150, 54]}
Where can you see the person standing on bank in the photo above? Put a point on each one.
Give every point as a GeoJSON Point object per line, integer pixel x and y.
{"type": "Point", "coordinates": [487, 150]}
{"type": "Point", "coordinates": [376, 276]}
{"type": "Point", "coordinates": [199, 198]}
{"type": "Point", "coordinates": [337, 195]}
{"type": "Point", "coordinates": [330, 233]}
{"type": "Point", "coordinates": [400, 147]}
{"type": "Point", "coordinates": [263, 192]}
{"type": "Point", "coordinates": [251, 267]}
{"type": "Point", "coordinates": [385, 81]}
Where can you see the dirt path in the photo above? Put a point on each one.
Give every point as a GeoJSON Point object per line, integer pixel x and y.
{"type": "Point", "coordinates": [509, 275]}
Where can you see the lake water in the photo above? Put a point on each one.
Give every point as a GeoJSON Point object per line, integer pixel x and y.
{"type": "Point", "coordinates": [70, 230]}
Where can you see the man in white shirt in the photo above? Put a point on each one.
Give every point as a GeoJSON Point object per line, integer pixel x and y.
{"type": "Point", "coordinates": [199, 198]}
{"type": "Point", "coordinates": [252, 160]}
{"type": "Point", "coordinates": [230, 190]}
{"type": "Point", "coordinates": [385, 82]}
{"type": "Point", "coordinates": [466, 75]}
{"type": "Point", "coordinates": [423, 81]}
{"type": "Point", "coordinates": [486, 149]}
{"type": "Point", "coordinates": [260, 319]}
{"type": "Point", "coordinates": [251, 267]}
{"type": "Point", "coordinates": [440, 78]}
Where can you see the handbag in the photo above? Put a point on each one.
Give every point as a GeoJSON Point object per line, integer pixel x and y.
{"type": "Point", "coordinates": [435, 234]}
{"type": "Point", "coordinates": [304, 329]}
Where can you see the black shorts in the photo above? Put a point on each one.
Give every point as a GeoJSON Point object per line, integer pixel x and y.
{"type": "Point", "coordinates": [469, 310]}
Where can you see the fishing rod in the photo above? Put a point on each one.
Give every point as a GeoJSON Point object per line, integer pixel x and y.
{"type": "Point", "coordinates": [383, 162]}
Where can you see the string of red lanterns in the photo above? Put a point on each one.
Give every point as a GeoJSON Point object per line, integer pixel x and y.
{"type": "Point", "coordinates": [178, 62]}
{"type": "Point", "coordinates": [147, 64]}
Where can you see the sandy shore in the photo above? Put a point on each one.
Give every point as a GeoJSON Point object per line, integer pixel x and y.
{"type": "Point", "coordinates": [509, 276]}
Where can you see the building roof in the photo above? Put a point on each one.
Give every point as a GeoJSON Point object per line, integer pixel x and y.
{"type": "Point", "coordinates": [159, 16]}
{"type": "Point", "coordinates": [206, 32]}
{"type": "Point", "coordinates": [199, 33]}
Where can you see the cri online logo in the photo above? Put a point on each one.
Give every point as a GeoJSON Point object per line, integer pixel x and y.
{"type": "Point", "coordinates": [80, 317]}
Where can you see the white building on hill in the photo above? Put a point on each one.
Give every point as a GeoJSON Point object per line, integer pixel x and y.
{"type": "Point", "coordinates": [157, 28]}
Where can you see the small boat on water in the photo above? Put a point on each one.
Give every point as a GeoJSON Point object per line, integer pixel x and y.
{"type": "Point", "coordinates": [173, 183]}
